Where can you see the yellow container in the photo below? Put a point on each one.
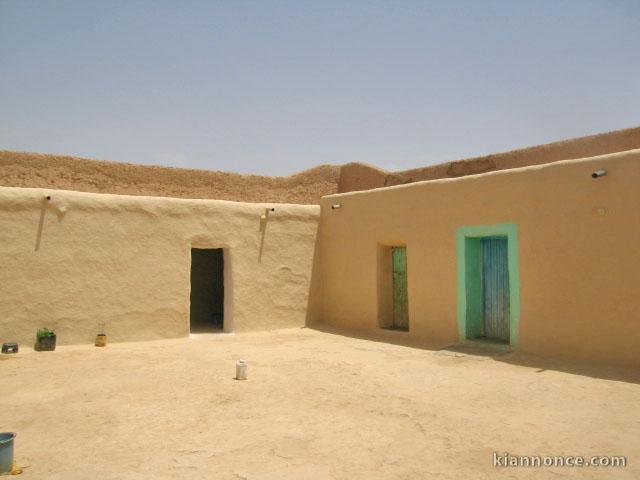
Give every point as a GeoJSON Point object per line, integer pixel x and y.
{"type": "Point", "coordinates": [101, 340]}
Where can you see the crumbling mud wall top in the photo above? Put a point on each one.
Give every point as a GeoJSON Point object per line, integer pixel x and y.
{"type": "Point", "coordinates": [20, 169]}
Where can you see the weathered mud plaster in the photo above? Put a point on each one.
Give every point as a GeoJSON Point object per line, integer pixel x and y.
{"type": "Point", "coordinates": [579, 261]}
{"type": "Point", "coordinates": [81, 261]}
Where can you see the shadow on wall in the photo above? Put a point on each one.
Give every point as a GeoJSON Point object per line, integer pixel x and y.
{"type": "Point", "coordinates": [522, 359]}
{"type": "Point", "coordinates": [60, 210]}
{"type": "Point", "coordinates": [314, 298]}
{"type": "Point", "coordinates": [264, 220]}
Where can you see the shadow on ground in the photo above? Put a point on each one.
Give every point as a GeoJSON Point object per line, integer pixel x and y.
{"type": "Point", "coordinates": [523, 359]}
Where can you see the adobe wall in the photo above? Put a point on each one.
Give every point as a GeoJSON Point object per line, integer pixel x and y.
{"type": "Point", "coordinates": [35, 170]}
{"type": "Point", "coordinates": [23, 169]}
{"type": "Point", "coordinates": [358, 176]}
{"type": "Point", "coordinates": [578, 255]}
{"type": "Point", "coordinates": [84, 260]}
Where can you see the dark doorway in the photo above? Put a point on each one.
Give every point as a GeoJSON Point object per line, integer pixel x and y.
{"type": "Point", "coordinates": [207, 290]}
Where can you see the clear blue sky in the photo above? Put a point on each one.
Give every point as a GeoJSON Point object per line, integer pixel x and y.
{"type": "Point", "coordinates": [274, 87]}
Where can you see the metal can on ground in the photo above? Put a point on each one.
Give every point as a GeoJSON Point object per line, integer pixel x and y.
{"type": "Point", "coordinates": [101, 340]}
{"type": "Point", "coordinates": [241, 370]}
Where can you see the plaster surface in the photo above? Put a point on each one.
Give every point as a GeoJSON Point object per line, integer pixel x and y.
{"type": "Point", "coordinates": [578, 254]}
{"type": "Point", "coordinates": [83, 262]}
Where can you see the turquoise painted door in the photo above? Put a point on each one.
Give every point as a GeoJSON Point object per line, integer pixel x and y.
{"type": "Point", "coordinates": [495, 288]}
{"type": "Point", "coordinates": [400, 297]}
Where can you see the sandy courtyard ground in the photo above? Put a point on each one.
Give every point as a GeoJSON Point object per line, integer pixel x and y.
{"type": "Point", "coordinates": [316, 406]}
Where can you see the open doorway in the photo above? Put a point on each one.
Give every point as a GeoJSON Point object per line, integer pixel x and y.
{"type": "Point", "coordinates": [207, 290]}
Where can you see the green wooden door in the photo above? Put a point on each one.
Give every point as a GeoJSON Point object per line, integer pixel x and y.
{"type": "Point", "coordinates": [495, 286]}
{"type": "Point", "coordinates": [400, 298]}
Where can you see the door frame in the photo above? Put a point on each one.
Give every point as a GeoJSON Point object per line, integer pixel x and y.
{"type": "Point", "coordinates": [385, 285]}
{"type": "Point", "coordinates": [469, 269]}
{"type": "Point", "coordinates": [228, 325]}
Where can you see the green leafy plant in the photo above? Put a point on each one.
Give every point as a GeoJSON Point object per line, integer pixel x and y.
{"type": "Point", "coordinates": [45, 332]}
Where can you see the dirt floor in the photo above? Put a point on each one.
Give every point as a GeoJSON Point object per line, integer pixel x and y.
{"type": "Point", "coordinates": [315, 406]}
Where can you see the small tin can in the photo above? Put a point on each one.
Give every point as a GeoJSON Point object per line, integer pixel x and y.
{"type": "Point", "coordinates": [101, 340]}
{"type": "Point", "coordinates": [10, 347]}
{"type": "Point", "coordinates": [241, 370]}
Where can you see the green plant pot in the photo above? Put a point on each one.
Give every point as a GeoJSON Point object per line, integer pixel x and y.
{"type": "Point", "coordinates": [45, 344]}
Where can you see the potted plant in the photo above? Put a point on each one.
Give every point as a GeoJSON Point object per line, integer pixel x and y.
{"type": "Point", "coordinates": [45, 340]}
